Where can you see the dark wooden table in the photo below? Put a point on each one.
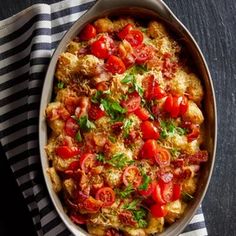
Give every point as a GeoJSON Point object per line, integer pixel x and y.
{"type": "Point", "coordinates": [213, 24]}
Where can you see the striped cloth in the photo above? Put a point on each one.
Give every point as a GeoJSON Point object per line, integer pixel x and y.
{"type": "Point", "coordinates": [26, 45]}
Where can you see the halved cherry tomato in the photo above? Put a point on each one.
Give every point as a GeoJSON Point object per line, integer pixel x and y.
{"type": "Point", "coordinates": [168, 105]}
{"type": "Point", "coordinates": [74, 165]}
{"type": "Point", "coordinates": [134, 37]}
{"type": "Point", "coordinates": [157, 194]}
{"type": "Point", "coordinates": [195, 131]}
{"type": "Point", "coordinates": [88, 32]}
{"type": "Point", "coordinates": [125, 31]}
{"type": "Point", "coordinates": [183, 107]}
{"type": "Point", "coordinates": [162, 157]}
{"type": "Point", "coordinates": [66, 152]}
{"type": "Point", "coordinates": [87, 161]}
{"type": "Point", "coordinates": [77, 219]}
{"type": "Point", "coordinates": [158, 211]}
{"type": "Point", "coordinates": [95, 112]}
{"type": "Point", "coordinates": [132, 176]}
{"type": "Point", "coordinates": [115, 65]}
{"type": "Point", "coordinates": [176, 192]}
{"type": "Point", "coordinates": [102, 47]}
{"type": "Point", "coordinates": [132, 103]}
{"type": "Point", "coordinates": [175, 111]}
{"type": "Point", "coordinates": [149, 130]}
{"type": "Point", "coordinates": [106, 195]}
{"type": "Point", "coordinates": [142, 113]}
{"type": "Point", "coordinates": [92, 205]}
{"type": "Point", "coordinates": [71, 127]}
{"type": "Point", "coordinates": [143, 53]}
{"type": "Point", "coordinates": [167, 191]}
{"type": "Point", "coordinates": [147, 192]}
{"type": "Point", "coordinates": [166, 177]}
{"type": "Point", "coordinates": [149, 150]}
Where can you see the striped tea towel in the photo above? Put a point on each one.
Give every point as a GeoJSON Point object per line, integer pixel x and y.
{"type": "Point", "coordinates": [26, 45]}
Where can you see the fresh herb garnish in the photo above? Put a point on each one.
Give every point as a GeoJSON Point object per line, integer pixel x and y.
{"type": "Point", "coordinates": [78, 136]}
{"type": "Point", "coordinates": [126, 192]}
{"type": "Point", "coordinates": [146, 181]}
{"type": "Point", "coordinates": [100, 157]}
{"type": "Point", "coordinates": [132, 205]}
{"type": "Point", "coordinates": [84, 123]}
{"type": "Point", "coordinates": [169, 129]}
{"type": "Point", "coordinates": [119, 160]}
{"type": "Point", "coordinates": [174, 152]}
{"type": "Point", "coordinates": [96, 97]}
{"type": "Point", "coordinates": [127, 79]}
{"type": "Point", "coordinates": [60, 85]}
{"type": "Point", "coordinates": [112, 138]}
{"type": "Point", "coordinates": [126, 127]}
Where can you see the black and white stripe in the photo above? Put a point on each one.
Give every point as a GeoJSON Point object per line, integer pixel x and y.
{"type": "Point", "coordinates": [26, 45]}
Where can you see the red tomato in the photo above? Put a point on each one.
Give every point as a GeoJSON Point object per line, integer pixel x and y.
{"type": "Point", "coordinates": [166, 177]}
{"type": "Point", "coordinates": [77, 219]}
{"type": "Point", "coordinates": [102, 86]}
{"type": "Point", "coordinates": [183, 107]}
{"type": "Point", "coordinates": [167, 191]}
{"type": "Point", "coordinates": [115, 65]}
{"type": "Point", "coordinates": [134, 37]}
{"type": "Point", "coordinates": [102, 47]}
{"type": "Point", "coordinates": [87, 161]}
{"type": "Point", "coordinates": [132, 176]}
{"type": "Point", "coordinates": [147, 192]}
{"type": "Point", "coordinates": [162, 157]}
{"type": "Point", "coordinates": [71, 127]}
{"type": "Point", "coordinates": [125, 31]}
{"type": "Point", "coordinates": [158, 211]}
{"type": "Point", "coordinates": [88, 32]}
{"type": "Point", "coordinates": [143, 53]}
{"type": "Point", "coordinates": [66, 152]}
{"type": "Point", "coordinates": [149, 130]}
{"type": "Point", "coordinates": [74, 165]}
{"type": "Point", "coordinates": [195, 131]}
{"type": "Point", "coordinates": [175, 111]}
{"type": "Point", "coordinates": [176, 192]}
{"type": "Point", "coordinates": [95, 112]}
{"type": "Point", "coordinates": [142, 113]}
{"type": "Point", "coordinates": [168, 105]}
{"type": "Point", "coordinates": [92, 205]}
{"type": "Point", "coordinates": [71, 103]}
{"type": "Point", "coordinates": [149, 149]}
{"type": "Point", "coordinates": [106, 195]}
{"type": "Point", "coordinates": [132, 103]}
{"type": "Point", "coordinates": [157, 194]}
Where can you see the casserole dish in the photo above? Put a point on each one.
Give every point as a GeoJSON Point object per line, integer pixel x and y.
{"type": "Point", "coordinates": [148, 9]}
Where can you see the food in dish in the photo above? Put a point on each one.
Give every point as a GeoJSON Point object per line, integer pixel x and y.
{"type": "Point", "coordinates": [126, 128]}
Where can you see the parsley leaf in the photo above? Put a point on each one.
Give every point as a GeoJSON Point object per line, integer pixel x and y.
{"type": "Point", "coordinates": [100, 157]}
{"type": "Point", "coordinates": [60, 85]}
{"type": "Point", "coordinates": [132, 205]}
{"type": "Point", "coordinates": [146, 181]}
{"type": "Point", "coordinates": [96, 97]}
{"type": "Point", "coordinates": [112, 138]}
{"type": "Point", "coordinates": [127, 79]}
{"type": "Point", "coordinates": [126, 192]}
{"type": "Point", "coordinates": [78, 136]}
{"type": "Point", "coordinates": [169, 129]}
{"type": "Point", "coordinates": [119, 160]}
{"type": "Point", "coordinates": [85, 124]}
{"type": "Point", "coordinates": [127, 125]}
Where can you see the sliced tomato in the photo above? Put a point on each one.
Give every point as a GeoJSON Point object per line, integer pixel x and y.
{"type": "Point", "coordinates": [162, 157]}
{"type": "Point", "coordinates": [149, 150]}
{"type": "Point", "coordinates": [102, 86]}
{"type": "Point", "coordinates": [157, 194]}
{"type": "Point", "coordinates": [167, 191]}
{"type": "Point", "coordinates": [71, 127]}
{"type": "Point", "coordinates": [158, 211]}
{"type": "Point", "coordinates": [132, 176]}
{"type": "Point", "coordinates": [175, 111]}
{"type": "Point", "coordinates": [71, 103]}
{"type": "Point", "coordinates": [166, 177]}
{"type": "Point", "coordinates": [92, 205]}
{"type": "Point", "coordinates": [95, 112]}
{"type": "Point", "coordinates": [88, 32]}
{"type": "Point", "coordinates": [74, 165]}
{"type": "Point", "coordinates": [168, 103]}
{"type": "Point", "coordinates": [132, 103]}
{"type": "Point", "coordinates": [77, 219]}
{"type": "Point", "coordinates": [134, 37]}
{"type": "Point", "coordinates": [125, 31]}
{"type": "Point", "coordinates": [143, 53]}
{"type": "Point", "coordinates": [176, 192]}
{"type": "Point", "coordinates": [87, 161]}
{"type": "Point", "coordinates": [194, 134]}
{"type": "Point", "coordinates": [183, 107]}
{"type": "Point", "coordinates": [106, 195]}
{"type": "Point", "coordinates": [66, 152]}
{"type": "Point", "coordinates": [142, 113]}
{"type": "Point", "coordinates": [115, 65]}
{"type": "Point", "coordinates": [102, 47]}
{"type": "Point", "coordinates": [147, 192]}
{"type": "Point", "coordinates": [149, 130]}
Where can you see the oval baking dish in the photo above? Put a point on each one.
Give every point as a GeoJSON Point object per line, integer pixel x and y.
{"type": "Point", "coordinates": [150, 9]}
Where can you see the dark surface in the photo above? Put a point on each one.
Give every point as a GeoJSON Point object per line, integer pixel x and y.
{"type": "Point", "coordinates": [213, 24]}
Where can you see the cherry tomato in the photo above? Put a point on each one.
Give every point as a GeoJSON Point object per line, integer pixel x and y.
{"type": "Point", "coordinates": [92, 205]}
{"type": "Point", "coordinates": [88, 32]}
{"type": "Point", "coordinates": [167, 191]}
{"type": "Point", "coordinates": [115, 65]}
{"type": "Point", "coordinates": [168, 105]}
{"type": "Point", "coordinates": [87, 161]}
{"type": "Point", "coordinates": [71, 103]}
{"type": "Point", "coordinates": [102, 47]}
{"type": "Point", "coordinates": [125, 31]}
{"type": "Point", "coordinates": [95, 112]}
{"type": "Point", "coordinates": [77, 219]}
{"type": "Point", "coordinates": [74, 165]}
{"type": "Point", "coordinates": [176, 192]}
{"type": "Point", "coordinates": [149, 149]}
{"type": "Point", "coordinates": [158, 211]}
{"type": "Point", "coordinates": [132, 176]}
{"type": "Point", "coordinates": [106, 195]}
{"type": "Point", "coordinates": [162, 157]}
{"type": "Point", "coordinates": [134, 37]}
{"type": "Point", "coordinates": [147, 192]}
{"type": "Point", "coordinates": [142, 113]}
{"type": "Point", "coordinates": [183, 107]}
{"type": "Point", "coordinates": [66, 152]}
{"type": "Point", "coordinates": [195, 131]}
{"type": "Point", "coordinates": [71, 127]}
{"type": "Point", "coordinates": [132, 103]}
{"type": "Point", "coordinates": [175, 111]}
{"type": "Point", "coordinates": [149, 130]}
{"type": "Point", "coordinates": [143, 53]}
{"type": "Point", "coordinates": [166, 177]}
{"type": "Point", "coordinates": [102, 86]}
{"type": "Point", "coordinates": [157, 194]}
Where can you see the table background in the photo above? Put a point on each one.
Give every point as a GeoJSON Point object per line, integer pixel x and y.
{"type": "Point", "coordinates": [213, 24]}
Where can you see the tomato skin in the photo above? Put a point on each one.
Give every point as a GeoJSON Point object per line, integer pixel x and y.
{"type": "Point", "coordinates": [134, 37]}
{"type": "Point", "coordinates": [88, 32]}
{"type": "Point", "coordinates": [176, 192]}
{"type": "Point", "coordinates": [167, 191]}
{"type": "Point", "coordinates": [183, 107]}
{"type": "Point", "coordinates": [175, 111]}
{"type": "Point", "coordinates": [132, 176]}
{"type": "Point", "coordinates": [87, 161]}
{"type": "Point", "coordinates": [143, 53]}
{"type": "Point", "coordinates": [102, 86]}
{"type": "Point", "coordinates": [194, 134]}
{"type": "Point", "coordinates": [92, 205]}
{"type": "Point", "coordinates": [74, 165]}
{"type": "Point", "coordinates": [149, 150]}
{"type": "Point", "coordinates": [132, 103]}
{"type": "Point", "coordinates": [71, 127]}
{"type": "Point", "coordinates": [95, 112]}
{"type": "Point", "coordinates": [102, 47]}
{"type": "Point", "coordinates": [149, 130]}
{"type": "Point", "coordinates": [125, 31]}
{"type": "Point", "coordinates": [147, 192]}
{"type": "Point", "coordinates": [157, 194]}
{"type": "Point", "coordinates": [66, 152]}
{"type": "Point", "coordinates": [162, 157]}
{"type": "Point", "coordinates": [158, 211]}
{"type": "Point", "coordinates": [77, 219]}
{"type": "Point", "coordinates": [142, 113]}
{"type": "Point", "coordinates": [106, 195]}
{"type": "Point", "coordinates": [115, 65]}
{"type": "Point", "coordinates": [168, 103]}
